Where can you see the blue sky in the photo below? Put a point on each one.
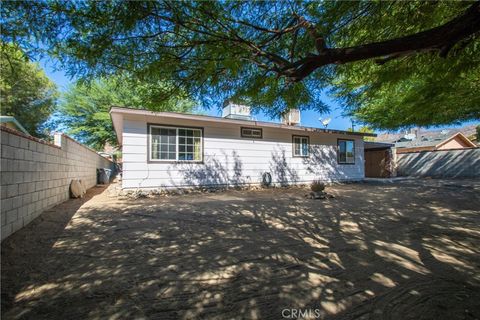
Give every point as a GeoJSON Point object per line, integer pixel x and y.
{"type": "Point", "coordinates": [308, 118]}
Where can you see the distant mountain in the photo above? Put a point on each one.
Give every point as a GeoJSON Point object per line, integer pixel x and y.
{"type": "Point", "coordinates": [468, 131]}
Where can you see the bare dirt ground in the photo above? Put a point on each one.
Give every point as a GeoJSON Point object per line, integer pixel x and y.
{"type": "Point", "coordinates": [406, 250]}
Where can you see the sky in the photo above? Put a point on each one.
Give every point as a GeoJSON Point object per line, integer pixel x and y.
{"type": "Point", "coordinates": [308, 118]}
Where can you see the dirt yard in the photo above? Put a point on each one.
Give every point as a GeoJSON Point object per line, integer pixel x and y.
{"type": "Point", "coordinates": [407, 250]}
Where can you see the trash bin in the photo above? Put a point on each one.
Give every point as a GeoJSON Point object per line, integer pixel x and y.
{"type": "Point", "coordinates": [103, 175]}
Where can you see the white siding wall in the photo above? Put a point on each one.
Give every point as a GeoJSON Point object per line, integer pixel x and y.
{"type": "Point", "coordinates": [230, 159]}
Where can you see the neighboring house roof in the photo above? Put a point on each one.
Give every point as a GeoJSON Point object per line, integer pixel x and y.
{"type": "Point", "coordinates": [417, 143]}
{"type": "Point", "coordinates": [116, 112]}
{"type": "Point", "coordinates": [474, 139]}
{"type": "Point", "coordinates": [13, 123]}
{"type": "Point", "coordinates": [434, 141]}
{"type": "Point", "coordinates": [460, 136]}
{"type": "Point", "coordinates": [468, 131]}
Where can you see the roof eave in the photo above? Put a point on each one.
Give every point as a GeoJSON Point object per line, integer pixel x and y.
{"type": "Point", "coordinates": [4, 119]}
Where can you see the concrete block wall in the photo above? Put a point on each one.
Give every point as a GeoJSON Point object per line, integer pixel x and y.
{"type": "Point", "coordinates": [460, 163]}
{"type": "Point", "coordinates": [36, 175]}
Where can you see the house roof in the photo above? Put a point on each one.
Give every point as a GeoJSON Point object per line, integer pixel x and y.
{"type": "Point", "coordinates": [433, 141]}
{"type": "Point", "coordinates": [10, 119]}
{"type": "Point", "coordinates": [442, 133]}
{"type": "Point", "coordinates": [417, 143]}
{"type": "Point", "coordinates": [116, 112]}
{"type": "Point", "coordinates": [371, 145]}
{"type": "Point", "coordinates": [460, 136]}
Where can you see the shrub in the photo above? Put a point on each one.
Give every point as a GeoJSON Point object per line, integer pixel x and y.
{"type": "Point", "coordinates": [317, 186]}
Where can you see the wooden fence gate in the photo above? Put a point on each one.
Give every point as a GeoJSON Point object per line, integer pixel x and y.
{"type": "Point", "coordinates": [377, 163]}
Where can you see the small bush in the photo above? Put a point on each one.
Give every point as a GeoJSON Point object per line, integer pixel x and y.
{"type": "Point", "coordinates": [317, 186]}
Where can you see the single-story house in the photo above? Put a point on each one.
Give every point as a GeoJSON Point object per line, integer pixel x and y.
{"type": "Point", "coordinates": [172, 150]}
{"type": "Point", "coordinates": [439, 141]}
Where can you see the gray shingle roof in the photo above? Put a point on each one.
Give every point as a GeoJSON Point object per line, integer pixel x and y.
{"type": "Point", "coordinates": [430, 134]}
{"type": "Point", "coordinates": [421, 142]}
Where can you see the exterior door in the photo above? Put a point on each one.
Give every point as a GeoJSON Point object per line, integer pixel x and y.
{"type": "Point", "coordinates": [377, 163]}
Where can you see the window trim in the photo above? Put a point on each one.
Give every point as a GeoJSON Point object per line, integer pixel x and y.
{"type": "Point", "coordinates": [338, 152]}
{"type": "Point", "coordinates": [169, 126]}
{"type": "Point", "coordinates": [293, 146]}
{"type": "Point", "coordinates": [251, 128]}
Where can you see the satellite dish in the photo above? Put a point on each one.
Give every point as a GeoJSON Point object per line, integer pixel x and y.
{"type": "Point", "coordinates": [410, 136]}
{"type": "Point", "coordinates": [325, 121]}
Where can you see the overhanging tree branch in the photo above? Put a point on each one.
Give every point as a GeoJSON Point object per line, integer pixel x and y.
{"type": "Point", "coordinates": [441, 38]}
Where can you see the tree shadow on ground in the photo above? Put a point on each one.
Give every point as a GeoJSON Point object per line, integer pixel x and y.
{"type": "Point", "coordinates": [375, 251]}
{"type": "Point", "coordinates": [36, 239]}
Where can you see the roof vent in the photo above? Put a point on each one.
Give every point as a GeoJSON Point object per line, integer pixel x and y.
{"type": "Point", "coordinates": [409, 137]}
{"type": "Point", "coordinates": [236, 111]}
{"type": "Point", "coordinates": [292, 117]}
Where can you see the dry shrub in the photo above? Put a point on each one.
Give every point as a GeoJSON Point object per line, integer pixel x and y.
{"type": "Point", "coordinates": [317, 186]}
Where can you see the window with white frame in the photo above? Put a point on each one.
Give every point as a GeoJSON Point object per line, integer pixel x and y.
{"type": "Point", "coordinates": [346, 151]}
{"type": "Point", "coordinates": [175, 144]}
{"type": "Point", "coordinates": [301, 146]}
{"type": "Point", "coordinates": [255, 133]}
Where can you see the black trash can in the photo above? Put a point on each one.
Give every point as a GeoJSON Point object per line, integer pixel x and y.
{"type": "Point", "coordinates": [103, 175]}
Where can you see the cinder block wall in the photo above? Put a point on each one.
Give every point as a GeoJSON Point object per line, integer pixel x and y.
{"type": "Point", "coordinates": [462, 163]}
{"type": "Point", "coordinates": [36, 175]}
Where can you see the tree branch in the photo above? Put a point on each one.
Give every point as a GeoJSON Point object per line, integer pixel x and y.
{"type": "Point", "coordinates": [441, 38]}
{"type": "Point", "coordinates": [317, 38]}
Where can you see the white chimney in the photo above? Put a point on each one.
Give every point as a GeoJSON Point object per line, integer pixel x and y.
{"type": "Point", "coordinates": [236, 111]}
{"type": "Point", "coordinates": [292, 117]}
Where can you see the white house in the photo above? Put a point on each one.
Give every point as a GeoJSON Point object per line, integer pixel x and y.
{"type": "Point", "coordinates": [171, 150]}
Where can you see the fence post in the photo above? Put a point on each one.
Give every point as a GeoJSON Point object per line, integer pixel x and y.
{"type": "Point", "coordinates": [58, 139]}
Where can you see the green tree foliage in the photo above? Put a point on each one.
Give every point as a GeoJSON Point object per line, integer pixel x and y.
{"type": "Point", "coordinates": [365, 129]}
{"type": "Point", "coordinates": [84, 107]}
{"type": "Point", "coordinates": [392, 64]}
{"type": "Point", "coordinates": [26, 93]}
{"type": "Point", "coordinates": [421, 90]}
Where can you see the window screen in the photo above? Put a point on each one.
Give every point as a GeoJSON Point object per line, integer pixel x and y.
{"type": "Point", "coordinates": [164, 143]}
{"type": "Point", "coordinates": [301, 146]}
{"type": "Point", "coordinates": [183, 144]}
{"type": "Point", "coordinates": [189, 144]}
{"type": "Point", "coordinates": [346, 151]}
